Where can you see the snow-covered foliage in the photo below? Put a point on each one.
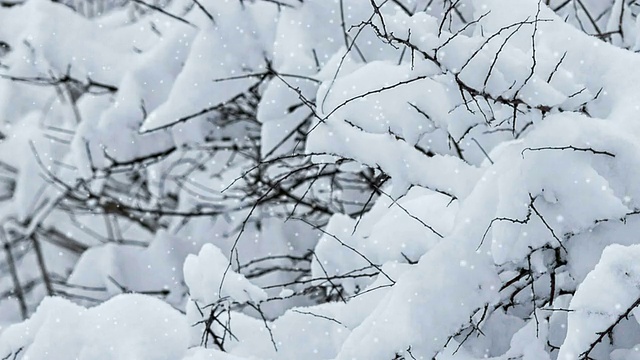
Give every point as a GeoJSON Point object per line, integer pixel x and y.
{"type": "Point", "coordinates": [320, 179]}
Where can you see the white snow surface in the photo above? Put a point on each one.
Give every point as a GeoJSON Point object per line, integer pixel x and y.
{"type": "Point", "coordinates": [488, 241]}
{"type": "Point", "coordinates": [126, 326]}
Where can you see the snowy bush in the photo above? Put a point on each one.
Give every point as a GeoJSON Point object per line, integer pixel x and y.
{"type": "Point", "coordinates": [319, 179]}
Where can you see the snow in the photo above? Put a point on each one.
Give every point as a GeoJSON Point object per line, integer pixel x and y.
{"type": "Point", "coordinates": [615, 279]}
{"type": "Point", "coordinates": [209, 279]}
{"type": "Point", "coordinates": [322, 180]}
{"type": "Point", "coordinates": [348, 246]}
{"type": "Point", "coordinates": [205, 61]}
{"type": "Point", "coordinates": [125, 326]}
{"type": "Point", "coordinates": [204, 354]}
{"type": "Point", "coordinates": [414, 310]}
{"type": "Point", "coordinates": [155, 268]}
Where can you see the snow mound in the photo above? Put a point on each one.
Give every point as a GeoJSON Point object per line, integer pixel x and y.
{"type": "Point", "coordinates": [125, 327]}
{"type": "Point", "coordinates": [210, 278]}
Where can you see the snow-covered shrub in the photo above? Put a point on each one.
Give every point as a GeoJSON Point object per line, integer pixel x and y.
{"type": "Point", "coordinates": [320, 179]}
